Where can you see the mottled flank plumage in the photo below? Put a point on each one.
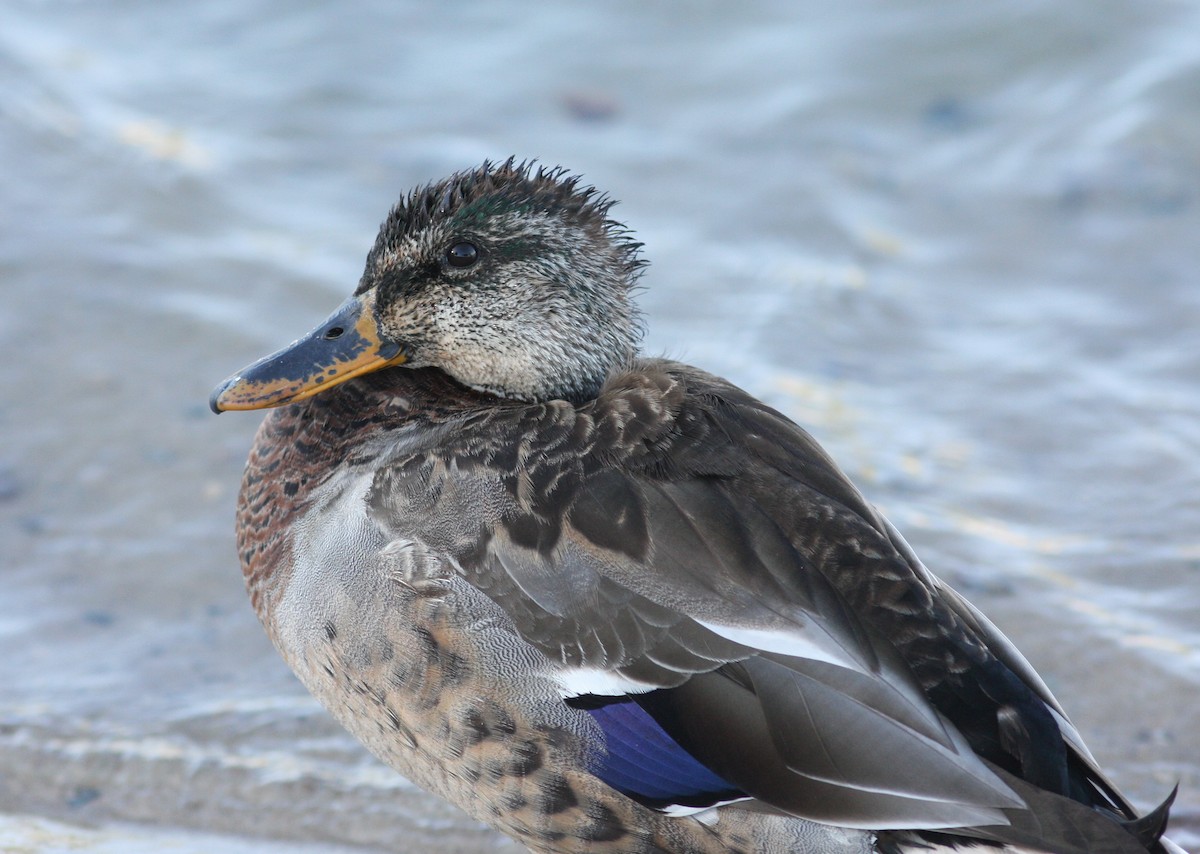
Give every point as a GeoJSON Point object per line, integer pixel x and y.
{"type": "Point", "coordinates": [609, 603]}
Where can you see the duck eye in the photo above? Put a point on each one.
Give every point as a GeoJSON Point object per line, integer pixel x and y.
{"type": "Point", "coordinates": [462, 254]}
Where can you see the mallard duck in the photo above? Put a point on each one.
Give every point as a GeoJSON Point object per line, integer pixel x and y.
{"type": "Point", "coordinates": [611, 603]}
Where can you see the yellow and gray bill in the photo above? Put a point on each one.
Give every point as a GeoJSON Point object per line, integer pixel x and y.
{"type": "Point", "coordinates": [346, 345]}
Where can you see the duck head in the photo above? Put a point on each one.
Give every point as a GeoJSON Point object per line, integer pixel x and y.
{"type": "Point", "coordinates": [511, 280]}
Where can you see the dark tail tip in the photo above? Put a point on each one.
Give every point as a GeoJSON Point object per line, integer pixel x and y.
{"type": "Point", "coordinates": [1149, 828]}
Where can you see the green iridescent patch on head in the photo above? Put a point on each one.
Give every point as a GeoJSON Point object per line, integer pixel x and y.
{"type": "Point", "coordinates": [474, 213]}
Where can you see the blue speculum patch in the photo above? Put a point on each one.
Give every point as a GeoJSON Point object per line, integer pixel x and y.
{"type": "Point", "coordinates": [646, 764]}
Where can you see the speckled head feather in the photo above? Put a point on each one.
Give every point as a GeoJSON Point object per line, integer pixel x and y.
{"type": "Point", "coordinates": [542, 311]}
{"type": "Point", "coordinates": [525, 182]}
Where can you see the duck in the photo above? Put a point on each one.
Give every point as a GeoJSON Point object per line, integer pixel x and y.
{"type": "Point", "coordinates": [609, 602]}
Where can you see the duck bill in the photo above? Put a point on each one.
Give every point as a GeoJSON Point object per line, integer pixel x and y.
{"type": "Point", "coordinates": [348, 344]}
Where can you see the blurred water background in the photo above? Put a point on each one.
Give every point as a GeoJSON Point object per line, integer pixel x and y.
{"type": "Point", "coordinates": [960, 242]}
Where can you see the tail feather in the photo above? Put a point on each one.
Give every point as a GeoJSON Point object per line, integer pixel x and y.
{"type": "Point", "coordinates": [1050, 823]}
{"type": "Point", "coordinates": [1149, 828]}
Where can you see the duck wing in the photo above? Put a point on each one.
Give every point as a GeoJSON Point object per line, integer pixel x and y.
{"type": "Point", "coordinates": [703, 578]}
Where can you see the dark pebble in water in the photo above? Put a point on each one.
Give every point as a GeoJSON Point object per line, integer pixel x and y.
{"type": "Point", "coordinates": [1074, 196]}
{"type": "Point", "coordinates": [590, 106]}
{"type": "Point", "coordinates": [10, 486]}
{"type": "Point", "coordinates": [33, 524]}
{"type": "Point", "coordinates": [1157, 736]}
{"type": "Point", "coordinates": [99, 618]}
{"type": "Point", "coordinates": [948, 114]}
{"type": "Point", "coordinates": [82, 796]}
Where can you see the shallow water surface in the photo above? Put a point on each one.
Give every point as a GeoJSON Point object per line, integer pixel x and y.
{"type": "Point", "coordinates": [957, 242]}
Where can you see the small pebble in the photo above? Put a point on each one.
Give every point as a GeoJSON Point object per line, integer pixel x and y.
{"type": "Point", "coordinates": [590, 106]}
{"type": "Point", "coordinates": [82, 796]}
{"type": "Point", "coordinates": [99, 618]}
{"type": "Point", "coordinates": [10, 485]}
{"type": "Point", "coordinates": [948, 114]}
{"type": "Point", "coordinates": [33, 524]}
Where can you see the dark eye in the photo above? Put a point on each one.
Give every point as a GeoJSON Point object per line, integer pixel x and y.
{"type": "Point", "coordinates": [462, 254]}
